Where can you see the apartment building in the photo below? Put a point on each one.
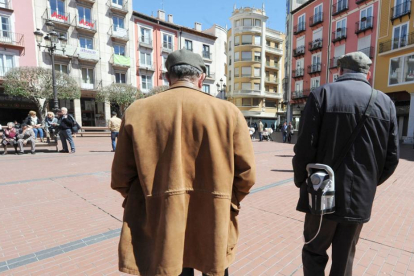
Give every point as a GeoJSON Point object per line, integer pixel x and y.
{"type": "Point", "coordinates": [99, 49]}
{"type": "Point", "coordinates": [324, 30]}
{"type": "Point", "coordinates": [17, 48]}
{"type": "Point", "coordinates": [159, 36]}
{"type": "Point", "coordinates": [395, 62]}
{"type": "Point", "coordinates": [255, 66]}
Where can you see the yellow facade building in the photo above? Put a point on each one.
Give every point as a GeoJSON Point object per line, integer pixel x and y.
{"type": "Point", "coordinates": [255, 67]}
{"type": "Point", "coordinates": [394, 72]}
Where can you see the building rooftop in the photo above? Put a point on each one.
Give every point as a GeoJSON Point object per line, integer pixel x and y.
{"type": "Point", "coordinates": [249, 10]}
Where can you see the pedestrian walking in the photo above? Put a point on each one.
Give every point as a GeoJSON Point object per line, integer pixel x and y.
{"type": "Point", "coordinates": [114, 124]}
{"type": "Point", "coordinates": [289, 132]}
{"type": "Point", "coordinates": [9, 137]}
{"type": "Point", "coordinates": [184, 179]}
{"type": "Point", "coordinates": [261, 127]}
{"type": "Point", "coordinates": [66, 123]}
{"type": "Point", "coordinates": [284, 132]}
{"type": "Point", "coordinates": [26, 135]}
{"type": "Point", "coordinates": [349, 126]}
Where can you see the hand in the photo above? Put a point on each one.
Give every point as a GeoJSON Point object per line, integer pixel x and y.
{"type": "Point", "coordinates": [25, 142]}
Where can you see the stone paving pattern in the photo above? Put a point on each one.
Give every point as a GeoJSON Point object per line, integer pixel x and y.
{"type": "Point", "coordinates": [58, 216]}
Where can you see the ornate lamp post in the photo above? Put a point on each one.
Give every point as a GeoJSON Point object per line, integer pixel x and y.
{"type": "Point", "coordinates": [52, 39]}
{"type": "Point", "coordinates": [222, 89]}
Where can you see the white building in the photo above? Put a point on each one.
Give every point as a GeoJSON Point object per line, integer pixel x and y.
{"type": "Point", "coordinates": [100, 49]}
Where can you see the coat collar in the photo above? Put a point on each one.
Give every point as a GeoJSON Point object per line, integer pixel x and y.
{"type": "Point", "coordinates": [187, 84]}
{"type": "Point", "coordinates": [353, 76]}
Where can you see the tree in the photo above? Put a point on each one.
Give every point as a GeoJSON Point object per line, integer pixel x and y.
{"type": "Point", "coordinates": [157, 90]}
{"type": "Point", "coordinates": [121, 94]}
{"type": "Point", "coordinates": [36, 84]}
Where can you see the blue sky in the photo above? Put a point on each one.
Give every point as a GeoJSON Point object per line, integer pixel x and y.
{"type": "Point", "coordinates": [209, 12]}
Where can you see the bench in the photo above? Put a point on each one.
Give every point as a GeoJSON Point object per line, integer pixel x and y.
{"type": "Point", "coordinates": [94, 132]}
{"type": "Point", "coordinates": [52, 143]}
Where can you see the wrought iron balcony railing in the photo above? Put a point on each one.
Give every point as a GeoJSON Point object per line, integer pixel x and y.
{"type": "Point", "coordinates": [298, 73]}
{"type": "Point", "coordinates": [366, 23]}
{"type": "Point", "coordinates": [11, 38]}
{"type": "Point", "coordinates": [316, 19]}
{"type": "Point", "coordinates": [299, 51]}
{"type": "Point", "coordinates": [314, 68]}
{"type": "Point", "coordinates": [339, 34]}
{"type": "Point", "coordinates": [369, 51]}
{"type": "Point", "coordinates": [339, 7]}
{"type": "Point", "coordinates": [396, 43]}
{"type": "Point", "coordinates": [301, 27]}
{"type": "Point", "coordinates": [400, 10]}
{"type": "Point", "coordinates": [315, 45]}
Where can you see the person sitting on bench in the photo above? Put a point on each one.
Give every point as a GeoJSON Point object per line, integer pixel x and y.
{"type": "Point", "coordinates": [26, 135]}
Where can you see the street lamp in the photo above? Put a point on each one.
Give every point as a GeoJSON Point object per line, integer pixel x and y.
{"type": "Point", "coordinates": [221, 88]}
{"type": "Point", "coordinates": [51, 38]}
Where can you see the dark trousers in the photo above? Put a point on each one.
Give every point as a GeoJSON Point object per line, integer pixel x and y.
{"type": "Point", "coordinates": [343, 238]}
{"type": "Point", "coordinates": [190, 272]}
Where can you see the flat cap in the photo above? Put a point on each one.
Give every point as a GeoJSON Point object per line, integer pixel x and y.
{"type": "Point", "coordinates": [185, 56]}
{"type": "Point", "coordinates": [355, 61]}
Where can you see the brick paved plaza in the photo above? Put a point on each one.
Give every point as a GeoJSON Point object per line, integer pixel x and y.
{"type": "Point", "coordinates": [57, 220]}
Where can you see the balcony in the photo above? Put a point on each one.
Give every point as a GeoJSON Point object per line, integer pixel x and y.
{"type": "Point", "coordinates": [243, 29]}
{"type": "Point", "coordinates": [167, 47]}
{"type": "Point", "coordinates": [118, 33]}
{"type": "Point", "coordinates": [114, 7]}
{"type": "Point", "coordinates": [86, 25]}
{"type": "Point", "coordinates": [400, 10]}
{"type": "Point", "coordinates": [149, 67]}
{"type": "Point", "coordinates": [210, 76]}
{"type": "Point", "coordinates": [120, 61]}
{"type": "Point", "coordinates": [11, 39]}
{"type": "Point", "coordinates": [316, 19]}
{"type": "Point", "coordinates": [272, 80]}
{"type": "Point", "coordinates": [299, 51]}
{"type": "Point", "coordinates": [314, 68]}
{"type": "Point", "coordinates": [274, 50]}
{"type": "Point", "coordinates": [87, 55]}
{"type": "Point", "coordinates": [89, 84]}
{"type": "Point", "coordinates": [359, 1]}
{"type": "Point", "coordinates": [397, 43]}
{"type": "Point", "coordinates": [369, 51]}
{"type": "Point", "coordinates": [298, 94]}
{"type": "Point", "coordinates": [339, 7]}
{"type": "Point", "coordinates": [6, 4]}
{"type": "Point", "coordinates": [301, 27]}
{"type": "Point", "coordinates": [298, 73]}
{"type": "Point", "coordinates": [273, 95]}
{"type": "Point", "coordinates": [366, 23]}
{"type": "Point", "coordinates": [315, 45]}
{"type": "Point", "coordinates": [333, 63]}
{"type": "Point", "coordinates": [145, 42]}
{"type": "Point", "coordinates": [338, 35]}
{"type": "Point", "coordinates": [244, 93]}
{"type": "Point", "coordinates": [275, 66]}
{"type": "Point", "coordinates": [206, 55]}
{"type": "Point", "coordinates": [86, 1]}
{"type": "Point", "coordinates": [59, 18]}
{"type": "Point", "coordinates": [4, 71]}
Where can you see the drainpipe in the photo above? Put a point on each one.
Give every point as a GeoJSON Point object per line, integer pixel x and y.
{"type": "Point", "coordinates": [376, 41]}
{"type": "Point", "coordinates": [329, 40]}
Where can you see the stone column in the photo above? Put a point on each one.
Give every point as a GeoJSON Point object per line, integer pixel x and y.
{"type": "Point", "coordinates": [410, 133]}
{"type": "Point", "coordinates": [77, 110]}
{"type": "Point", "coordinates": [107, 112]}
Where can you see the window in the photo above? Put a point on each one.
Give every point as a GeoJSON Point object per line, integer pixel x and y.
{"type": "Point", "coordinates": [246, 39]}
{"type": "Point", "coordinates": [146, 82]}
{"type": "Point", "coordinates": [163, 60]}
{"type": "Point", "coordinates": [167, 41]}
{"type": "Point", "coordinates": [237, 72]}
{"type": "Point", "coordinates": [229, 60]}
{"type": "Point", "coordinates": [256, 72]}
{"type": "Point", "coordinates": [257, 23]}
{"type": "Point", "coordinates": [237, 86]}
{"type": "Point", "coordinates": [317, 35]}
{"type": "Point", "coordinates": [120, 78]}
{"type": "Point", "coordinates": [84, 15]}
{"type": "Point", "coordinates": [257, 40]}
{"type": "Point", "coordinates": [4, 27]}
{"type": "Point", "coordinates": [256, 86]}
{"type": "Point", "coordinates": [315, 82]}
{"type": "Point", "coordinates": [270, 103]}
{"type": "Point", "coordinates": [340, 28]}
{"type": "Point", "coordinates": [335, 76]}
{"type": "Point", "coordinates": [57, 6]}
{"type": "Point", "coordinates": [206, 51]}
{"type": "Point", "coordinates": [189, 45]}
{"type": "Point", "coordinates": [316, 62]}
{"type": "Point", "coordinates": [145, 58]}
{"type": "Point", "coordinates": [246, 71]}
{"type": "Point", "coordinates": [236, 56]}
{"type": "Point", "coordinates": [256, 102]}
{"type": "Point", "coordinates": [365, 18]}
{"type": "Point", "coordinates": [119, 50]}
{"type": "Point", "coordinates": [6, 64]}
{"type": "Point", "coordinates": [317, 16]}
{"type": "Point", "coordinates": [298, 88]}
{"type": "Point", "coordinates": [237, 23]}
{"type": "Point", "coordinates": [207, 70]}
{"type": "Point", "coordinates": [247, 22]}
{"type": "Point", "coordinates": [401, 7]}
{"type": "Point", "coordinates": [364, 45]}
{"type": "Point", "coordinates": [399, 36]}
{"type": "Point", "coordinates": [87, 78]}
{"type": "Point", "coordinates": [206, 88]}
{"type": "Point", "coordinates": [118, 22]}
{"type": "Point", "coordinates": [229, 45]}
{"type": "Point", "coordinates": [86, 43]}
{"type": "Point", "coordinates": [61, 68]}
{"type": "Point", "coordinates": [246, 102]}
{"type": "Point", "coordinates": [341, 5]}
{"type": "Point", "coordinates": [401, 70]}
{"type": "Point", "coordinates": [301, 22]}
{"type": "Point", "coordinates": [299, 64]}
{"type": "Point", "coordinates": [236, 40]}
{"type": "Point", "coordinates": [117, 2]}
{"type": "Point", "coordinates": [257, 56]}
{"type": "Point", "coordinates": [246, 86]}
{"type": "Point", "coordinates": [145, 35]}
{"type": "Point", "coordinates": [247, 56]}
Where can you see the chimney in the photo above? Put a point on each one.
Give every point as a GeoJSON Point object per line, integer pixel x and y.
{"type": "Point", "coordinates": [161, 15]}
{"type": "Point", "coordinates": [197, 26]}
{"type": "Point", "coordinates": [170, 18]}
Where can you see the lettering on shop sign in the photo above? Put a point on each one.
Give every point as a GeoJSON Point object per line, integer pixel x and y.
{"type": "Point", "coordinates": [60, 16]}
{"type": "Point", "coordinates": [86, 23]}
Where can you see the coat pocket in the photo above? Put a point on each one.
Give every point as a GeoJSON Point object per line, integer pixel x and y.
{"type": "Point", "coordinates": [233, 228]}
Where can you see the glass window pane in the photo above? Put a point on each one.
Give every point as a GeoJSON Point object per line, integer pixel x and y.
{"type": "Point", "coordinates": [246, 102]}
{"type": "Point", "coordinates": [246, 86]}
{"type": "Point", "coordinates": [395, 71]}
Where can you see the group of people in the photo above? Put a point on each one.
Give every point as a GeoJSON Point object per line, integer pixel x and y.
{"type": "Point", "coordinates": [19, 135]}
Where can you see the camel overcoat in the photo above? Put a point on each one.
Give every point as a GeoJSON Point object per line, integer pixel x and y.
{"type": "Point", "coordinates": [184, 161]}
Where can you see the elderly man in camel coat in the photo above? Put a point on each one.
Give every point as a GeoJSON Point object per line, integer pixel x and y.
{"type": "Point", "coordinates": [184, 162]}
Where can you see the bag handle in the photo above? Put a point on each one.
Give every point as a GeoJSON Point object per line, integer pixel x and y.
{"type": "Point", "coordinates": [356, 131]}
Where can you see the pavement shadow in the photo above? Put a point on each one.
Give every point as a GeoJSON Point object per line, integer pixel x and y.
{"type": "Point", "coordinates": [407, 152]}
{"type": "Point", "coordinates": [282, 170]}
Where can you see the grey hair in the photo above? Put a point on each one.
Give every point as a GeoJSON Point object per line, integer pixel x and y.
{"type": "Point", "coordinates": [64, 108]}
{"type": "Point", "coordinates": [347, 71]}
{"type": "Point", "coordinates": [11, 123]}
{"type": "Point", "coordinates": [184, 72]}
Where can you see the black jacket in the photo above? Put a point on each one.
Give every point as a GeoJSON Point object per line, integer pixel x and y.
{"type": "Point", "coordinates": [331, 113]}
{"type": "Point", "coordinates": [66, 123]}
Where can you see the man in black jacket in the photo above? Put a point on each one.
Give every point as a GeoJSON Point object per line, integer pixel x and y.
{"type": "Point", "coordinates": [331, 114]}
